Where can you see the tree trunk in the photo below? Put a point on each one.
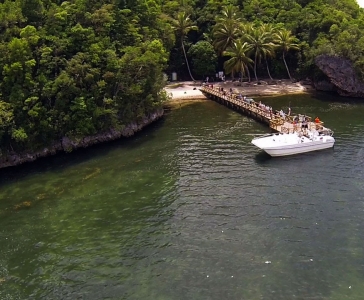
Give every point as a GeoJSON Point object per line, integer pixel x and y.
{"type": "Point", "coordinates": [270, 76]}
{"type": "Point", "coordinates": [255, 67]}
{"type": "Point", "coordinates": [247, 71]}
{"type": "Point", "coordinates": [188, 66]}
{"type": "Point", "coordinates": [289, 74]}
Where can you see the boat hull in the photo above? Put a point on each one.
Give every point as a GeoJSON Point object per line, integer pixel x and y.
{"type": "Point", "coordinates": [291, 144]}
{"type": "Point", "coordinates": [285, 151]}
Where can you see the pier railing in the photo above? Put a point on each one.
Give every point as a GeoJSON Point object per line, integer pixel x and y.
{"type": "Point", "coordinates": [253, 109]}
{"type": "Point", "coordinates": [227, 96]}
{"type": "Point", "coordinates": [277, 122]}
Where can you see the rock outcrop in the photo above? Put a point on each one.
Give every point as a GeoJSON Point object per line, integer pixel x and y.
{"type": "Point", "coordinates": [325, 86]}
{"type": "Point", "coordinates": [341, 74]}
{"type": "Point", "coordinates": [66, 144]}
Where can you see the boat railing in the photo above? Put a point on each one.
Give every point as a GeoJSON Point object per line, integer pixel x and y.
{"type": "Point", "coordinates": [326, 131]}
{"type": "Point", "coordinates": [266, 135]}
{"type": "Point", "coordinates": [285, 129]}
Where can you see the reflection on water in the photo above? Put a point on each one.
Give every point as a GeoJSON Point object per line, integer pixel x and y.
{"type": "Point", "coordinates": [189, 209]}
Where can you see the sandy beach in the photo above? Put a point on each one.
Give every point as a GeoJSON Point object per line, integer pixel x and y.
{"type": "Point", "coordinates": [188, 90]}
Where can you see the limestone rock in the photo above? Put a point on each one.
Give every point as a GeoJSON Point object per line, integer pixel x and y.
{"type": "Point", "coordinates": [341, 74]}
{"type": "Point", "coordinates": [325, 85]}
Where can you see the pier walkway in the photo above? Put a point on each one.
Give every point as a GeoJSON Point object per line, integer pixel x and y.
{"type": "Point", "coordinates": [259, 111]}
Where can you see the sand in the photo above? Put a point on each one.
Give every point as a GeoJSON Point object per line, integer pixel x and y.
{"type": "Point", "coordinates": [188, 90]}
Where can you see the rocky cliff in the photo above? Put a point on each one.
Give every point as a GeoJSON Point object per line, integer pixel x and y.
{"type": "Point", "coordinates": [66, 144]}
{"type": "Point", "coordinates": [341, 74]}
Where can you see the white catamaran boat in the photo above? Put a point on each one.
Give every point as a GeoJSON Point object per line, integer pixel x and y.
{"type": "Point", "coordinates": [282, 144]}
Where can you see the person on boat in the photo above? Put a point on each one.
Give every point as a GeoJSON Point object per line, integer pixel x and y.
{"type": "Point", "coordinates": [295, 124]}
{"type": "Point", "coordinates": [304, 124]}
{"type": "Point", "coordinates": [318, 123]}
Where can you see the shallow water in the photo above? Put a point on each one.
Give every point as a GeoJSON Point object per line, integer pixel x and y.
{"type": "Point", "coordinates": [189, 209]}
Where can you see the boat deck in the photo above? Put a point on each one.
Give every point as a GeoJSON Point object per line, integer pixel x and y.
{"type": "Point", "coordinates": [289, 126]}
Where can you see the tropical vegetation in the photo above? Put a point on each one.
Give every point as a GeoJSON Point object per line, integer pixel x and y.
{"type": "Point", "coordinates": [79, 67]}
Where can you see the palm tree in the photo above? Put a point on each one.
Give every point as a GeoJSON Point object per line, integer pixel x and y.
{"type": "Point", "coordinates": [272, 32]}
{"type": "Point", "coordinates": [182, 26]}
{"type": "Point", "coordinates": [226, 29]}
{"type": "Point", "coordinates": [286, 41]}
{"type": "Point", "coordinates": [261, 43]}
{"type": "Point", "coordinates": [239, 59]}
{"type": "Point", "coordinates": [230, 12]}
{"type": "Point", "coordinates": [225, 34]}
{"type": "Point", "coordinates": [245, 28]}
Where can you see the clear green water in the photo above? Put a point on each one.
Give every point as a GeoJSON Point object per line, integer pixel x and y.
{"type": "Point", "coordinates": [189, 209]}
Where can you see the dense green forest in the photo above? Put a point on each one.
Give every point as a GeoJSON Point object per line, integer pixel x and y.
{"type": "Point", "coordinates": [79, 67]}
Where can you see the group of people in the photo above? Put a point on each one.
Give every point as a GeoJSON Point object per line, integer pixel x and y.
{"type": "Point", "coordinates": [268, 109]}
{"type": "Point", "coordinates": [305, 122]}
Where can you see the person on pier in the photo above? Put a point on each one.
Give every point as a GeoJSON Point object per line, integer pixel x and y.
{"type": "Point", "coordinates": [282, 114]}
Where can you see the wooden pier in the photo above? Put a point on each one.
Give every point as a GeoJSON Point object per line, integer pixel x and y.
{"type": "Point", "coordinates": [259, 112]}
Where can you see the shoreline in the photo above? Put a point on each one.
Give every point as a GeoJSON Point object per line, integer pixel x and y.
{"type": "Point", "coordinates": [180, 93]}
{"type": "Point", "coordinates": [67, 145]}
{"type": "Point", "coordinates": [189, 90]}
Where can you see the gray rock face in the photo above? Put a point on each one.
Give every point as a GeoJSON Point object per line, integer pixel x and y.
{"type": "Point", "coordinates": [341, 74]}
{"type": "Point", "coordinates": [66, 144]}
{"type": "Point", "coordinates": [324, 85]}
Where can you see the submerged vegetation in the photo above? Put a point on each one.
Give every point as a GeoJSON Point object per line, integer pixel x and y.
{"type": "Point", "coordinates": [79, 67]}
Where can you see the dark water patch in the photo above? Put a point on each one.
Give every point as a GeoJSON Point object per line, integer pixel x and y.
{"type": "Point", "coordinates": [64, 160]}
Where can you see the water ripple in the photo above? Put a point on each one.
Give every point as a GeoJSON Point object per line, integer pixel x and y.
{"type": "Point", "coordinates": [192, 210]}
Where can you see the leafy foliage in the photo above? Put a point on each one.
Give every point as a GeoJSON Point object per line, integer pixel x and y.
{"type": "Point", "coordinates": [333, 27]}
{"type": "Point", "coordinates": [204, 58]}
{"type": "Point", "coordinates": [75, 68]}
{"type": "Point", "coordinates": [79, 67]}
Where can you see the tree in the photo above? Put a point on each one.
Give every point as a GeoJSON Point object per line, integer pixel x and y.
{"type": "Point", "coordinates": [270, 51]}
{"type": "Point", "coordinates": [68, 67]}
{"type": "Point", "coordinates": [33, 10]}
{"type": "Point", "coordinates": [229, 12]}
{"type": "Point", "coordinates": [261, 44]}
{"type": "Point", "coordinates": [225, 34]}
{"type": "Point", "coordinates": [286, 42]}
{"type": "Point", "coordinates": [6, 119]}
{"type": "Point", "coordinates": [239, 60]}
{"type": "Point", "coordinates": [226, 30]}
{"type": "Point", "coordinates": [182, 26]}
{"type": "Point", "coordinates": [204, 58]}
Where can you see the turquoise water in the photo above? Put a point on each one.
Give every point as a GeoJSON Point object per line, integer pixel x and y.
{"type": "Point", "coordinates": [189, 209]}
